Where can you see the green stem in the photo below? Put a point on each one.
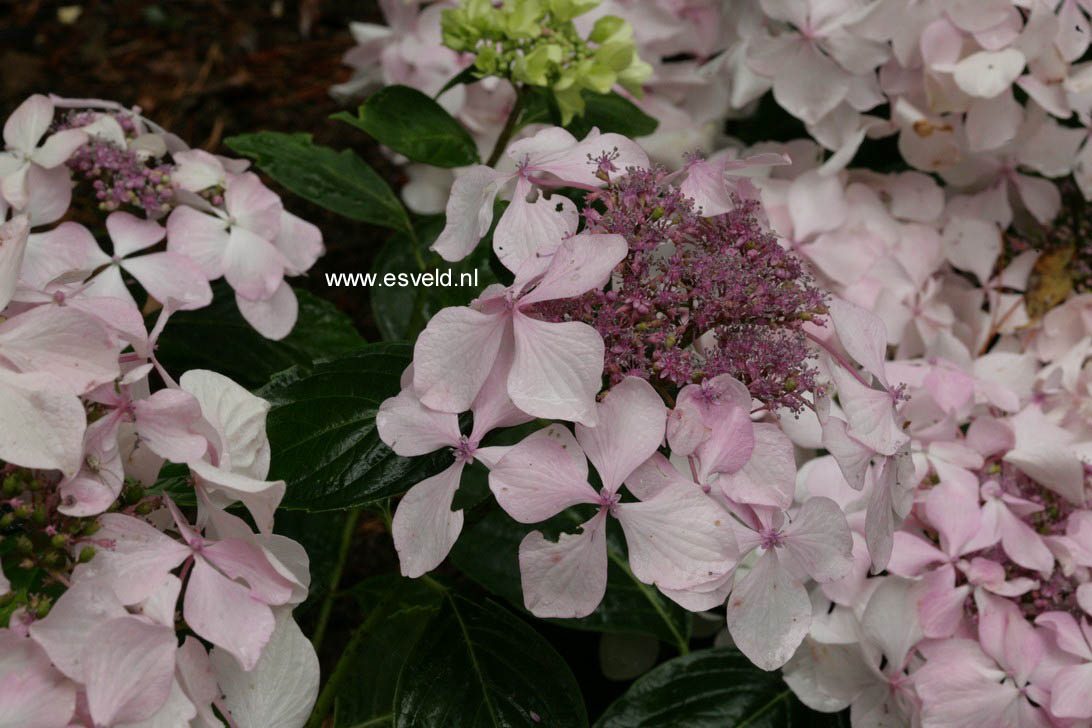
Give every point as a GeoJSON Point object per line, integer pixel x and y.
{"type": "Point", "coordinates": [342, 555]}
{"type": "Point", "coordinates": [511, 124]}
{"type": "Point", "coordinates": [325, 702]}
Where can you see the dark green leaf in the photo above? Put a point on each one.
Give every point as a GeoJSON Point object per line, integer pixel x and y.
{"type": "Point", "coordinates": [394, 306]}
{"type": "Point", "coordinates": [481, 667]}
{"type": "Point", "coordinates": [217, 337]}
{"type": "Point", "coordinates": [339, 181]}
{"type": "Point", "coordinates": [412, 124]}
{"type": "Point", "coordinates": [366, 697]}
{"type": "Point", "coordinates": [488, 552]}
{"type": "Point", "coordinates": [466, 76]}
{"type": "Point", "coordinates": [322, 431]}
{"type": "Point", "coordinates": [611, 113]}
{"type": "Point", "coordinates": [717, 688]}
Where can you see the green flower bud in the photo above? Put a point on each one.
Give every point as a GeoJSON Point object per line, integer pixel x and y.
{"type": "Point", "coordinates": [616, 55]}
{"type": "Point", "coordinates": [7, 519]}
{"type": "Point", "coordinates": [534, 68]}
{"type": "Point", "coordinates": [569, 9]}
{"type": "Point", "coordinates": [23, 511]}
{"type": "Point", "coordinates": [24, 545]}
{"type": "Point", "coordinates": [58, 541]}
{"type": "Point", "coordinates": [12, 486]}
{"type": "Point", "coordinates": [607, 27]}
{"type": "Point", "coordinates": [86, 554]}
{"type": "Point", "coordinates": [41, 609]}
{"type": "Point", "coordinates": [523, 19]}
{"type": "Point", "coordinates": [632, 79]}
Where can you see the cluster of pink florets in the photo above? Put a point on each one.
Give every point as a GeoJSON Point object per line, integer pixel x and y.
{"type": "Point", "coordinates": [698, 296]}
{"type": "Point", "coordinates": [121, 177]}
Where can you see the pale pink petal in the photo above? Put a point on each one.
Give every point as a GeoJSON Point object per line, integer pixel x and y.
{"type": "Point", "coordinates": [13, 245]}
{"type": "Point", "coordinates": [986, 74]}
{"type": "Point", "coordinates": [101, 477]}
{"type": "Point", "coordinates": [128, 670]}
{"type": "Point", "coordinates": [200, 237]}
{"type": "Point", "coordinates": [253, 206]}
{"type": "Point", "coordinates": [69, 344]}
{"type": "Point", "coordinates": [409, 428]}
{"type": "Point", "coordinates": [198, 681]}
{"type": "Point", "coordinates": [972, 244]}
{"type": "Point", "coordinates": [28, 123]}
{"type": "Point", "coordinates": [242, 559]}
{"type": "Point", "coordinates": [809, 84]}
{"type": "Point", "coordinates": [852, 455]}
{"type": "Point", "coordinates": [890, 620]}
{"type": "Point", "coordinates": [469, 212]}
{"type": "Point", "coordinates": [817, 204]}
{"type": "Point", "coordinates": [818, 539]}
{"type": "Point", "coordinates": [566, 579]}
{"type": "Point", "coordinates": [273, 317]}
{"type": "Point", "coordinates": [280, 690]}
{"type": "Point", "coordinates": [679, 539]}
{"type": "Point", "coordinates": [493, 407]}
{"type": "Point", "coordinates": [237, 415]}
{"type": "Point", "coordinates": [863, 335]}
{"type": "Point", "coordinates": [653, 476]}
{"type": "Point", "coordinates": [911, 556]}
{"type": "Point", "coordinates": [168, 423]}
{"type": "Point", "coordinates": [454, 355]}
{"type": "Point", "coordinates": [557, 369]}
{"type": "Point", "coordinates": [578, 163]}
{"type": "Point", "coordinates": [261, 497]}
{"type": "Point", "coordinates": [68, 627]}
{"type": "Point", "coordinates": [50, 193]}
{"type": "Point", "coordinates": [42, 424]}
{"type": "Point", "coordinates": [730, 444]}
{"type": "Point", "coordinates": [1071, 692]}
{"type": "Point", "coordinates": [529, 232]}
{"type": "Point", "coordinates": [1040, 196]}
{"type": "Point", "coordinates": [953, 511]}
{"type": "Point", "coordinates": [424, 526]}
{"type": "Point", "coordinates": [582, 263]}
{"type": "Point", "coordinates": [871, 413]}
{"type": "Point", "coordinates": [196, 169]}
{"type": "Point", "coordinates": [631, 419]}
{"type": "Point", "coordinates": [1041, 452]}
{"type": "Point", "coordinates": [994, 122]}
{"type": "Point", "coordinates": [300, 242]}
{"type": "Point", "coordinates": [768, 613]}
{"type": "Point", "coordinates": [130, 233]}
{"type": "Point", "coordinates": [1022, 544]}
{"type": "Point", "coordinates": [223, 612]}
{"type": "Point", "coordinates": [171, 277]}
{"type": "Point", "coordinates": [33, 694]}
{"type": "Point", "coordinates": [58, 147]}
{"type": "Point", "coordinates": [768, 477]}
{"type": "Point", "coordinates": [539, 478]}
{"type": "Point", "coordinates": [252, 265]}
{"type": "Point", "coordinates": [139, 560]}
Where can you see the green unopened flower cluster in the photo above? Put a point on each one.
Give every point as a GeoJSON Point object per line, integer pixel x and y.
{"type": "Point", "coordinates": [535, 42]}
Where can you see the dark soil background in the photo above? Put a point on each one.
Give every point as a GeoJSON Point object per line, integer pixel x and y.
{"type": "Point", "coordinates": [206, 70]}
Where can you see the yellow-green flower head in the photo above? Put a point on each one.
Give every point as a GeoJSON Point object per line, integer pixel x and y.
{"type": "Point", "coordinates": [535, 43]}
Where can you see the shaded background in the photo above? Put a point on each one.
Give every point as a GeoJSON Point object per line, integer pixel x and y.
{"type": "Point", "coordinates": [206, 70]}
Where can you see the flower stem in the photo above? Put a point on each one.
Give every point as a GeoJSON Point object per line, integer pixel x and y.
{"type": "Point", "coordinates": [342, 555]}
{"type": "Point", "coordinates": [325, 702]}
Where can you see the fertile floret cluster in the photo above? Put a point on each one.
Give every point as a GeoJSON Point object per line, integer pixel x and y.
{"type": "Point", "coordinates": [698, 296]}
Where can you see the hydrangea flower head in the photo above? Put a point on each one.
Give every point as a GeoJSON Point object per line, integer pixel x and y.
{"type": "Point", "coordinates": [697, 296]}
